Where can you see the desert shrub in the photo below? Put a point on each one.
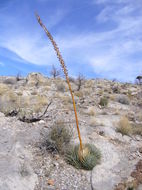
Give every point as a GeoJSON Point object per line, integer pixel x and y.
{"type": "Point", "coordinates": [3, 88]}
{"type": "Point", "coordinates": [103, 101]}
{"type": "Point", "coordinates": [137, 129]}
{"type": "Point", "coordinates": [88, 162]}
{"type": "Point", "coordinates": [115, 89]}
{"type": "Point", "coordinates": [35, 103]}
{"type": "Point", "coordinates": [11, 81]}
{"type": "Point", "coordinates": [93, 122]}
{"type": "Point", "coordinates": [66, 100]}
{"type": "Point", "coordinates": [139, 103]}
{"type": "Point", "coordinates": [71, 79]}
{"type": "Point", "coordinates": [42, 100]}
{"type": "Point", "coordinates": [130, 188]}
{"type": "Point", "coordinates": [124, 126]}
{"type": "Point", "coordinates": [91, 111]}
{"type": "Point", "coordinates": [80, 81]}
{"type": "Point", "coordinates": [78, 93]}
{"type": "Point", "coordinates": [89, 84]}
{"type": "Point", "coordinates": [60, 136]}
{"type": "Point", "coordinates": [55, 72]}
{"type": "Point", "coordinates": [123, 100]}
{"type": "Point", "coordinates": [8, 101]}
{"type": "Point", "coordinates": [139, 116]}
{"type": "Point", "coordinates": [60, 87]}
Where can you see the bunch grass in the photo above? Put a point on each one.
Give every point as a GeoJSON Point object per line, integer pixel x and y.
{"type": "Point", "coordinates": [90, 159]}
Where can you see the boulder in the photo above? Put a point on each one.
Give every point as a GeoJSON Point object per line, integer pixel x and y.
{"type": "Point", "coordinates": [35, 79]}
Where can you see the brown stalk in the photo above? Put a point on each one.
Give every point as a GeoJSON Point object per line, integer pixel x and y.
{"type": "Point", "coordinates": [66, 75]}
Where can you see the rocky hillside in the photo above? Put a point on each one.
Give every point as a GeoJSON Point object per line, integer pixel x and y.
{"type": "Point", "coordinates": [110, 117]}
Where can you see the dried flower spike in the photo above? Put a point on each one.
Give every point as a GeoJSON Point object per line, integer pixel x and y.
{"type": "Point", "coordinates": [67, 78]}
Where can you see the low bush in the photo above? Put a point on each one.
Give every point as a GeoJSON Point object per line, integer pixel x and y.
{"type": "Point", "coordinates": [60, 87]}
{"type": "Point", "coordinates": [91, 111]}
{"type": "Point", "coordinates": [124, 126]}
{"type": "Point", "coordinates": [137, 129]}
{"type": "Point", "coordinates": [11, 81]}
{"type": "Point", "coordinates": [123, 100]}
{"type": "Point", "coordinates": [60, 136]}
{"type": "Point", "coordinates": [93, 122]}
{"type": "Point", "coordinates": [103, 101]}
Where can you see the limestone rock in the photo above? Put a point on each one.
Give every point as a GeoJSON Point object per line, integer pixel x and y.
{"type": "Point", "coordinates": [35, 79]}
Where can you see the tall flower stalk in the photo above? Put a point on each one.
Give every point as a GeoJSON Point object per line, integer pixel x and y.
{"type": "Point", "coordinates": [62, 63]}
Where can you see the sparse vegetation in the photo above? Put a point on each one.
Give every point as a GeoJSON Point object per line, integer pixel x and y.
{"type": "Point", "coordinates": [137, 129]}
{"type": "Point", "coordinates": [55, 72]}
{"type": "Point", "coordinates": [123, 99]}
{"type": "Point", "coordinates": [60, 136]}
{"type": "Point", "coordinates": [115, 89]}
{"type": "Point", "coordinates": [91, 111]}
{"type": "Point", "coordinates": [78, 93]}
{"type": "Point", "coordinates": [3, 88]}
{"type": "Point", "coordinates": [60, 87]}
{"type": "Point", "coordinates": [93, 122]}
{"type": "Point", "coordinates": [80, 81]}
{"type": "Point", "coordinates": [124, 126]}
{"type": "Point", "coordinates": [103, 101]}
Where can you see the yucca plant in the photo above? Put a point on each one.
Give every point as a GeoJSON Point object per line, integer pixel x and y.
{"type": "Point", "coordinates": [83, 151]}
{"type": "Point", "coordinates": [90, 158]}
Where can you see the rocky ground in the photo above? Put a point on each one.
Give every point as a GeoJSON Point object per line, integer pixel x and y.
{"type": "Point", "coordinates": [24, 162]}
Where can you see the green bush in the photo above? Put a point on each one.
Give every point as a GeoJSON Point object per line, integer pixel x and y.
{"type": "Point", "coordinates": [88, 162]}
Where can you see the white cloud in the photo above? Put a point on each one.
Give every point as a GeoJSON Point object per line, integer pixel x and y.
{"type": "Point", "coordinates": [28, 43]}
{"type": "Point", "coordinates": [107, 52]}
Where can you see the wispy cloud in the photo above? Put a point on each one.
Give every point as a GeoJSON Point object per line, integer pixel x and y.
{"type": "Point", "coordinates": [27, 42]}
{"type": "Point", "coordinates": [113, 52]}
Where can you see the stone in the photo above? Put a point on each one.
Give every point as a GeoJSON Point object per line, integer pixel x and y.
{"type": "Point", "coordinates": [35, 79]}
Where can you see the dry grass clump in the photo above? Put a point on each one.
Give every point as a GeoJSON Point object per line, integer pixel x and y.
{"type": "Point", "coordinates": [139, 117]}
{"type": "Point", "coordinates": [123, 100]}
{"type": "Point", "coordinates": [3, 88]}
{"type": "Point", "coordinates": [93, 122]}
{"type": "Point", "coordinates": [91, 111]}
{"type": "Point", "coordinates": [78, 94]}
{"type": "Point", "coordinates": [66, 100]}
{"type": "Point", "coordinates": [124, 126]}
{"type": "Point", "coordinates": [90, 159]}
{"type": "Point", "coordinates": [103, 101]}
{"type": "Point", "coordinates": [60, 87]}
{"type": "Point", "coordinates": [137, 129]}
{"type": "Point", "coordinates": [112, 97]}
{"type": "Point", "coordinates": [115, 89]}
{"type": "Point", "coordinates": [8, 101]}
{"type": "Point", "coordinates": [34, 103]}
{"type": "Point", "coordinates": [42, 100]}
{"type": "Point", "coordinates": [89, 84]}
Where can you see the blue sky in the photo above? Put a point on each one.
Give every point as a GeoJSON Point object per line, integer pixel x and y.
{"type": "Point", "coordinates": [98, 38]}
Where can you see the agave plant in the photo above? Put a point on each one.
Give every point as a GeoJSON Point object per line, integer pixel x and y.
{"type": "Point", "coordinates": [82, 151]}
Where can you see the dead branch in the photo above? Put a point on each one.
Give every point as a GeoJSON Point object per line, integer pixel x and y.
{"type": "Point", "coordinates": [35, 119]}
